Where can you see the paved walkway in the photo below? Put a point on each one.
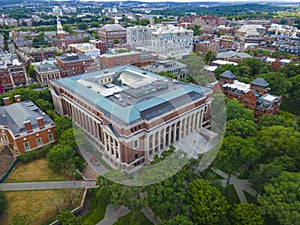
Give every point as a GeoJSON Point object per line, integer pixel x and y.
{"type": "Point", "coordinates": [240, 185]}
{"type": "Point", "coordinates": [29, 186]}
{"type": "Point", "coordinates": [112, 214]}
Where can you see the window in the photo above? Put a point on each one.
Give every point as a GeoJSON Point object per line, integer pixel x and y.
{"type": "Point", "coordinates": [205, 109]}
{"type": "Point", "coordinates": [26, 146]}
{"type": "Point", "coordinates": [50, 137]}
{"type": "Point", "coordinates": [5, 138]}
{"type": "Point", "coordinates": [136, 144]}
{"type": "Point", "coordinates": [38, 141]}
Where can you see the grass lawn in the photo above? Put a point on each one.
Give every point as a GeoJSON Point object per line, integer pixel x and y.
{"type": "Point", "coordinates": [35, 207]}
{"type": "Point", "coordinates": [139, 219]}
{"type": "Point", "coordinates": [232, 196]}
{"type": "Point", "coordinates": [250, 198]}
{"type": "Point", "coordinates": [34, 171]}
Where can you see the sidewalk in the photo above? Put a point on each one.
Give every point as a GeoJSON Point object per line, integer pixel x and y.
{"type": "Point", "coordinates": [29, 186]}
{"type": "Point", "coordinates": [240, 185]}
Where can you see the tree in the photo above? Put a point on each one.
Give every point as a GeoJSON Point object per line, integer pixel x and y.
{"type": "Point", "coordinates": [275, 120]}
{"type": "Point", "coordinates": [116, 41]}
{"type": "Point", "coordinates": [278, 141]}
{"type": "Point", "coordinates": [62, 124]}
{"type": "Point", "coordinates": [43, 104]}
{"type": "Point", "coordinates": [68, 218]}
{"type": "Point", "coordinates": [179, 219]}
{"type": "Point", "coordinates": [62, 158]}
{"type": "Point", "coordinates": [94, 24]}
{"type": "Point", "coordinates": [241, 127]}
{"type": "Point", "coordinates": [82, 26]}
{"type": "Point", "coordinates": [278, 83]}
{"type": "Point", "coordinates": [246, 214]}
{"type": "Point", "coordinates": [2, 202]}
{"type": "Point", "coordinates": [235, 110]}
{"type": "Point", "coordinates": [30, 71]}
{"type": "Point", "coordinates": [210, 56]}
{"type": "Point", "coordinates": [234, 153]}
{"type": "Point", "coordinates": [129, 196]}
{"type": "Point", "coordinates": [254, 65]}
{"type": "Point", "coordinates": [86, 39]}
{"type": "Point", "coordinates": [209, 206]}
{"type": "Point", "coordinates": [281, 198]}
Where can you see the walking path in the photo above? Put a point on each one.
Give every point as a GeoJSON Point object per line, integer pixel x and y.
{"type": "Point", "coordinates": [239, 185]}
{"type": "Point", "coordinates": [113, 214]}
{"type": "Point", "coordinates": [29, 186]}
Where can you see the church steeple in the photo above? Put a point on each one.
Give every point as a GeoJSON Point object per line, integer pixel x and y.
{"type": "Point", "coordinates": [60, 31]}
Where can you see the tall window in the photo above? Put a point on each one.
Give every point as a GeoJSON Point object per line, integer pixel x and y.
{"type": "Point", "coordinates": [136, 144]}
{"type": "Point", "coordinates": [39, 141]}
{"type": "Point", "coordinates": [5, 138]}
{"type": "Point", "coordinates": [50, 137]}
{"type": "Point", "coordinates": [26, 146]}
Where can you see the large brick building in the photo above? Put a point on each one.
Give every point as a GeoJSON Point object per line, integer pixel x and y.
{"type": "Point", "coordinates": [133, 114]}
{"type": "Point", "coordinates": [111, 32]}
{"type": "Point", "coordinates": [127, 58]}
{"type": "Point", "coordinates": [71, 64]}
{"type": "Point", "coordinates": [255, 96]}
{"type": "Point", "coordinates": [24, 127]}
{"type": "Point", "coordinates": [12, 74]}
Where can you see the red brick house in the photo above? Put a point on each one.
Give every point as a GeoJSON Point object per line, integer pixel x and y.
{"type": "Point", "coordinates": [255, 96]}
{"type": "Point", "coordinates": [24, 127]}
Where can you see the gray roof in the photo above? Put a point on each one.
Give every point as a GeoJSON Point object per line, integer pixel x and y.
{"type": "Point", "coordinates": [44, 67]}
{"type": "Point", "coordinates": [69, 57]}
{"type": "Point", "coordinates": [260, 82]}
{"type": "Point", "coordinates": [112, 27]}
{"type": "Point", "coordinates": [14, 116]}
{"type": "Point", "coordinates": [228, 74]}
{"type": "Point", "coordinates": [230, 54]}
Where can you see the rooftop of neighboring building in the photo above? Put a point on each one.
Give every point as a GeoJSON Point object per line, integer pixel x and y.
{"type": "Point", "coordinates": [73, 57]}
{"type": "Point", "coordinates": [14, 115]}
{"type": "Point", "coordinates": [230, 54]}
{"type": "Point", "coordinates": [45, 66]}
{"type": "Point", "coordinates": [165, 65]}
{"type": "Point", "coordinates": [112, 27]}
{"type": "Point", "coordinates": [132, 93]}
{"type": "Point", "coordinates": [260, 82]}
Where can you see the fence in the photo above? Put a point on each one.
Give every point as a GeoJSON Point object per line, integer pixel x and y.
{"type": "Point", "coordinates": [9, 170]}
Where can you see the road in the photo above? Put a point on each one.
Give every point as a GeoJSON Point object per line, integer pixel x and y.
{"type": "Point", "coordinates": [30, 186]}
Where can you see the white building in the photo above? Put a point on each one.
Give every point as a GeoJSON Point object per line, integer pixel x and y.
{"type": "Point", "coordinates": [165, 40]}
{"type": "Point", "coordinates": [85, 48]}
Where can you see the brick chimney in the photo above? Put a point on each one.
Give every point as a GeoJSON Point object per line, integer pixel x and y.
{"type": "Point", "coordinates": [17, 98]}
{"type": "Point", "coordinates": [27, 125]}
{"type": "Point", "coordinates": [40, 122]}
{"type": "Point", "coordinates": [6, 101]}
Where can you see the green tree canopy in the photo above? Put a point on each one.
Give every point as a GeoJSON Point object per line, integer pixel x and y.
{"type": "Point", "coordinates": [208, 205]}
{"type": "Point", "coordinates": [246, 214]}
{"type": "Point", "coordinates": [178, 219]}
{"type": "Point", "coordinates": [235, 110]}
{"type": "Point", "coordinates": [281, 198]}
{"type": "Point", "coordinates": [68, 218]}
{"type": "Point", "coordinates": [62, 158]}
{"type": "Point", "coordinates": [241, 127]}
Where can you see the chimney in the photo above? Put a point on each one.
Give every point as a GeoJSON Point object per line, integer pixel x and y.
{"type": "Point", "coordinates": [6, 101]}
{"type": "Point", "coordinates": [40, 122]}
{"type": "Point", "coordinates": [17, 98]}
{"type": "Point", "coordinates": [27, 125]}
